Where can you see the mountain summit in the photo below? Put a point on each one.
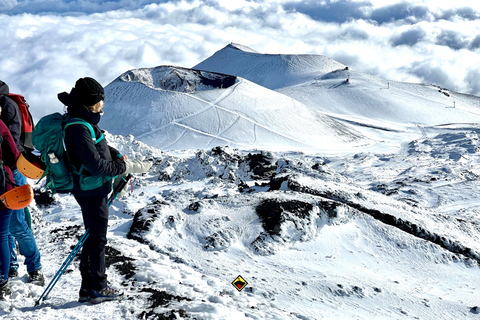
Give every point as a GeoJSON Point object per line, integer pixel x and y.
{"type": "Point", "coordinates": [272, 71]}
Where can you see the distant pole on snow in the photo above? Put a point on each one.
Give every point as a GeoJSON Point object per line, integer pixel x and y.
{"type": "Point", "coordinates": [454, 104]}
{"type": "Point", "coordinates": [388, 85]}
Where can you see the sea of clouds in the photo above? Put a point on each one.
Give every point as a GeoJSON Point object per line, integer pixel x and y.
{"type": "Point", "coordinates": [47, 45]}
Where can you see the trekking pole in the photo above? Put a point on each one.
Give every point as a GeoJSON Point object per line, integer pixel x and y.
{"type": "Point", "coordinates": [62, 269]}
{"type": "Point", "coordinates": [119, 188]}
{"type": "Point", "coordinates": [79, 245]}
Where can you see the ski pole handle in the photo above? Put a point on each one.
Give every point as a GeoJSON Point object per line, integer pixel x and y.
{"type": "Point", "coordinates": [119, 188]}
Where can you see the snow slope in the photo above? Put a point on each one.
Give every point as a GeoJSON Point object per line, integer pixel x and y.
{"type": "Point", "coordinates": [169, 108]}
{"type": "Point", "coordinates": [367, 98]}
{"type": "Point", "coordinates": [315, 237]}
{"type": "Point", "coordinates": [329, 87]}
{"type": "Point", "coordinates": [378, 108]}
{"type": "Point", "coordinates": [385, 229]}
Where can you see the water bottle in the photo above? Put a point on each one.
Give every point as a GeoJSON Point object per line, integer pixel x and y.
{"type": "Point", "coordinates": [61, 177]}
{"type": "Point", "coordinates": [53, 158]}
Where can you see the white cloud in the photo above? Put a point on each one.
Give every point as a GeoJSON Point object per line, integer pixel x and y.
{"type": "Point", "coordinates": [74, 7]}
{"type": "Point", "coordinates": [7, 4]}
{"type": "Point", "coordinates": [43, 54]}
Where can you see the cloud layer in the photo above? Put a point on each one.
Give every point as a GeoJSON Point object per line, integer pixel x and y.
{"type": "Point", "coordinates": [48, 44]}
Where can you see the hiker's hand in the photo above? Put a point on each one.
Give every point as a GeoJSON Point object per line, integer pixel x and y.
{"type": "Point", "coordinates": [123, 157]}
{"type": "Point", "coordinates": [137, 166]}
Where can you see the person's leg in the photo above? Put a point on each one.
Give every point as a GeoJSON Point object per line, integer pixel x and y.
{"type": "Point", "coordinates": [85, 267]}
{"type": "Point", "coordinates": [23, 234]}
{"type": "Point", "coordinates": [4, 251]}
{"type": "Point", "coordinates": [13, 255]}
{"type": "Point", "coordinates": [26, 241]}
{"type": "Point", "coordinates": [4, 246]}
{"type": "Point", "coordinates": [92, 264]}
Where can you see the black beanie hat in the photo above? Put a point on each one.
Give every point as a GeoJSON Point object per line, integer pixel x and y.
{"type": "Point", "coordinates": [89, 91]}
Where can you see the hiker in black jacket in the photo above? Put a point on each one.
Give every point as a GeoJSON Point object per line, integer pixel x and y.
{"type": "Point", "coordinates": [85, 101]}
{"type": "Point", "coordinates": [11, 115]}
{"type": "Point", "coordinates": [19, 227]}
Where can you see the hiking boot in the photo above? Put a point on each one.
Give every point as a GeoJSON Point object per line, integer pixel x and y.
{"type": "Point", "coordinates": [106, 294]}
{"type": "Point", "coordinates": [36, 277]}
{"type": "Point", "coordinates": [85, 295]}
{"type": "Point", "coordinates": [12, 273]}
{"type": "Point", "coordinates": [4, 290]}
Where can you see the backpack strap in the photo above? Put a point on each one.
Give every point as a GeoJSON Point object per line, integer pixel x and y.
{"type": "Point", "coordinates": [96, 140]}
{"type": "Point", "coordinates": [85, 123]}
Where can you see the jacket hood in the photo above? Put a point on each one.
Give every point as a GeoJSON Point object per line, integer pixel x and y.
{"type": "Point", "coordinates": [4, 89]}
{"type": "Point", "coordinates": [76, 108]}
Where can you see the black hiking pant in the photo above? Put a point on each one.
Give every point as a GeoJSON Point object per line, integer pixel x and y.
{"type": "Point", "coordinates": [92, 259]}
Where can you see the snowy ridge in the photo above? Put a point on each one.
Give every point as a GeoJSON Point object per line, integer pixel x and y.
{"type": "Point", "coordinates": [241, 47]}
{"type": "Point", "coordinates": [176, 111]}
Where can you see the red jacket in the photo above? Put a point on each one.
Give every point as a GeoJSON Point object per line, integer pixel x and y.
{"type": "Point", "coordinates": [8, 154]}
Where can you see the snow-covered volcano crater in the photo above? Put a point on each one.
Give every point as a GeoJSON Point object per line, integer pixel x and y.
{"type": "Point", "coordinates": [177, 108]}
{"type": "Point", "coordinates": [178, 79]}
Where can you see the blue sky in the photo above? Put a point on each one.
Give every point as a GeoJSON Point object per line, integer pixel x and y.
{"type": "Point", "coordinates": [48, 44]}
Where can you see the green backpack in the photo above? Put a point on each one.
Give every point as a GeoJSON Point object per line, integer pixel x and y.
{"type": "Point", "coordinates": [48, 138]}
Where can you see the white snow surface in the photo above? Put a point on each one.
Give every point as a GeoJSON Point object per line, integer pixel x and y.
{"type": "Point", "coordinates": [243, 115]}
{"type": "Point", "coordinates": [332, 199]}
